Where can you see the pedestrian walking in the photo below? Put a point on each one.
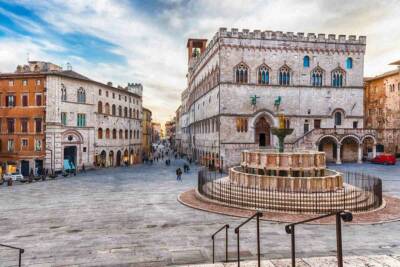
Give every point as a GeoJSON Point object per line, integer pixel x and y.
{"type": "Point", "coordinates": [179, 174]}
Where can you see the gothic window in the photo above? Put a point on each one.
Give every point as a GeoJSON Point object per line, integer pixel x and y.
{"type": "Point", "coordinates": [107, 133]}
{"type": "Point", "coordinates": [241, 73]}
{"type": "Point", "coordinates": [349, 63]}
{"type": "Point", "coordinates": [284, 75]}
{"type": "Point", "coordinates": [100, 133]}
{"type": "Point", "coordinates": [316, 77]}
{"type": "Point", "coordinates": [114, 134]}
{"type": "Point", "coordinates": [121, 134]}
{"type": "Point", "coordinates": [263, 75]}
{"type": "Point", "coordinates": [125, 112]}
{"type": "Point", "coordinates": [81, 94]}
{"type": "Point", "coordinates": [241, 124]}
{"type": "Point", "coordinates": [338, 78]}
{"type": "Point", "coordinates": [126, 134]}
{"type": "Point", "coordinates": [306, 62]}
{"type": "Point", "coordinates": [99, 107]}
{"type": "Point", "coordinates": [130, 134]}
{"type": "Point", "coordinates": [113, 110]}
{"type": "Point", "coordinates": [137, 114]}
{"type": "Point", "coordinates": [63, 93]}
{"type": "Point", "coordinates": [338, 118]}
{"type": "Point", "coordinates": [130, 112]}
{"type": "Point", "coordinates": [107, 108]}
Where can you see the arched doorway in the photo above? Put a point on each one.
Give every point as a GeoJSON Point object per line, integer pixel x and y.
{"type": "Point", "coordinates": [263, 133]}
{"type": "Point", "coordinates": [350, 149]}
{"type": "Point", "coordinates": [126, 157]}
{"type": "Point", "coordinates": [369, 147]}
{"type": "Point", "coordinates": [118, 158]}
{"type": "Point", "coordinates": [111, 158]}
{"type": "Point", "coordinates": [103, 158]}
{"type": "Point", "coordinates": [131, 157]}
{"type": "Point", "coordinates": [328, 144]}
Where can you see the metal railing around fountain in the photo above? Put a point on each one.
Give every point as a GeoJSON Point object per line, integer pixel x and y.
{"type": "Point", "coordinates": [20, 252]}
{"type": "Point", "coordinates": [361, 193]}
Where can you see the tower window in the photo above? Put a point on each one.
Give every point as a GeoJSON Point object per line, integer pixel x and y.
{"type": "Point", "coordinates": [306, 62]}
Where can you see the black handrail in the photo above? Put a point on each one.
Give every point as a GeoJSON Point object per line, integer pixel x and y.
{"type": "Point", "coordinates": [21, 250]}
{"type": "Point", "coordinates": [258, 215]}
{"type": "Point", "coordinates": [345, 215]}
{"type": "Point", "coordinates": [226, 227]}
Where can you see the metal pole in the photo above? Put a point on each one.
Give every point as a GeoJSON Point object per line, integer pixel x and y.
{"type": "Point", "coordinates": [258, 240]}
{"type": "Point", "coordinates": [20, 257]}
{"type": "Point", "coordinates": [226, 244]}
{"type": "Point", "coordinates": [293, 247]}
{"type": "Point", "coordinates": [339, 240]}
{"type": "Point", "coordinates": [212, 248]}
{"type": "Point", "coordinates": [238, 249]}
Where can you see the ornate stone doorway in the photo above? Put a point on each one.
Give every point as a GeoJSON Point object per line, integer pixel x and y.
{"type": "Point", "coordinates": [263, 133]}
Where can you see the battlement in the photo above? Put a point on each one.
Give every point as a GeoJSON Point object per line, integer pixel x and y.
{"type": "Point", "coordinates": [136, 88]}
{"type": "Point", "coordinates": [290, 36]}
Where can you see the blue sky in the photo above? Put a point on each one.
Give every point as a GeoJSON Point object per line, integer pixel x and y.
{"type": "Point", "coordinates": [145, 41]}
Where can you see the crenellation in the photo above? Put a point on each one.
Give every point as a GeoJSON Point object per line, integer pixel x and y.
{"type": "Point", "coordinates": [291, 36]}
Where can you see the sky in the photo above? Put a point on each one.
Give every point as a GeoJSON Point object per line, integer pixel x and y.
{"type": "Point", "coordinates": [145, 41]}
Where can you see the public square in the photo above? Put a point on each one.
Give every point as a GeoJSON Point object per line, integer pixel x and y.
{"type": "Point", "coordinates": [130, 216]}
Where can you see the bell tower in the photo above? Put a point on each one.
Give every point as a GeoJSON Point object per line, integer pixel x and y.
{"type": "Point", "coordinates": [195, 47]}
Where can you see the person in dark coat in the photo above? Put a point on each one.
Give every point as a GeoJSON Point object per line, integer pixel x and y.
{"type": "Point", "coordinates": [179, 174]}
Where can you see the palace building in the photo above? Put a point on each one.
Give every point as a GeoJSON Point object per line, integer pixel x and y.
{"type": "Point", "coordinates": [59, 119]}
{"type": "Point", "coordinates": [233, 81]}
{"type": "Point", "coordinates": [382, 109]}
{"type": "Point", "coordinates": [22, 116]}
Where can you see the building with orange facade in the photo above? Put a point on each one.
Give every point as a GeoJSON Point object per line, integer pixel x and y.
{"type": "Point", "coordinates": [22, 117]}
{"type": "Point", "coordinates": [382, 109]}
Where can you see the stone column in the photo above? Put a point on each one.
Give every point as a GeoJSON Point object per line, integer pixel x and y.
{"type": "Point", "coordinates": [338, 157]}
{"type": "Point", "coordinates": [359, 160]}
{"type": "Point", "coordinates": [374, 151]}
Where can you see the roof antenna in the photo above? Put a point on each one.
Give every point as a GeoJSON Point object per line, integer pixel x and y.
{"type": "Point", "coordinates": [69, 66]}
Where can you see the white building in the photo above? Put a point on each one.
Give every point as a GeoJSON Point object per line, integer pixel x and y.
{"type": "Point", "coordinates": [319, 79]}
{"type": "Point", "coordinates": [90, 123]}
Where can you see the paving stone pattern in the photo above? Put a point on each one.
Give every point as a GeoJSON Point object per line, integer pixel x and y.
{"type": "Point", "coordinates": [131, 217]}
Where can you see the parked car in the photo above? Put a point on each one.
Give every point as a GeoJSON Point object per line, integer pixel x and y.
{"type": "Point", "coordinates": [15, 176]}
{"type": "Point", "coordinates": [384, 159]}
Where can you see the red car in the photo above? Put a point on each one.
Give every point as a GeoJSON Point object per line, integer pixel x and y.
{"type": "Point", "coordinates": [384, 159]}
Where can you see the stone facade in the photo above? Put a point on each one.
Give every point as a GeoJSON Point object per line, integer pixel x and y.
{"type": "Point", "coordinates": [319, 79]}
{"type": "Point", "coordinates": [382, 109]}
{"type": "Point", "coordinates": [146, 133]}
{"type": "Point", "coordinates": [90, 123]}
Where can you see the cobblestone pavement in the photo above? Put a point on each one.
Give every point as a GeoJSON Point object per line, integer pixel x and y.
{"type": "Point", "coordinates": [131, 217]}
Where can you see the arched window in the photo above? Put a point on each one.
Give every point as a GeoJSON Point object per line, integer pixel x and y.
{"type": "Point", "coordinates": [130, 134]}
{"type": "Point", "coordinates": [306, 62]}
{"type": "Point", "coordinates": [338, 118]}
{"type": "Point", "coordinates": [284, 75]}
{"type": "Point", "coordinates": [241, 73]}
{"type": "Point", "coordinates": [263, 75]}
{"type": "Point", "coordinates": [114, 133]}
{"type": "Point", "coordinates": [338, 78]}
{"type": "Point", "coordinates": [100, 107]}
{"type": "Point", "coordinates": [107, 133]}
{"type": "Point", "coordinates": [120, 111]}
{"type": "Point", "coordinates": [63, 93]}
{"type": "Point", "coordinates": [137, 113]}
{"type": "Point", "coordinates": [113, 110]}
{"type": "Point", "coordinates": [107, 108]}
{"type": "Point", "coordinates": [100, 133]}
{"type": "Point", "coordinates": [121, 134]}
{"type": "Point", "coordinates": [125, 112]}
{"type": "Point", "coordinates": [81, 94]}
{"type": "Point", "coordinates": [316, 76]}
{"type": "Point", "coordinates": [349, 63]}
{"type": "Point", "coordinates": [130, 112]}
{"type": "Point", "coordinates": [126, 134]}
